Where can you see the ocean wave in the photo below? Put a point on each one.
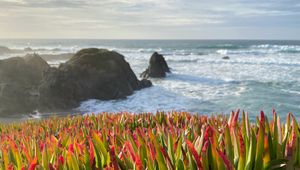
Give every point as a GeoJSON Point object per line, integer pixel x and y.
{"type": "Point", "coordinates": [56, 63]}
{"type": "Point", "coordinates": [291, 91]}
{"type": "Point", "coordinates": [183, 60]}
{"type": "Point", "coordinates": [222, 46]}
{"type": "Point", "coordinates": [275, 84]}
{"type": "Point", "coordinates": [278, 48]}
{"type": "Point", "coordinates": [291, 51]}
{"type": "Point", "coordinates": [260, 49]}
{"type": "Point", "coordinates": [147, 100]}
{"type": "Point", "coordinates": [252, 62]}
{"type": "Point", "coordinates": [245, 52]}
{"type": "Point", "coordinates": [222, 51]}
{"type": "Point", "coordinates": [197, 79]}
{"type": "Point", "coordinates": [148, 50]}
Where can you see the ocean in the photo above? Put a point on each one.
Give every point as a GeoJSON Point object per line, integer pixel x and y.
{"type": "Point", "coordinates": [260, 74]}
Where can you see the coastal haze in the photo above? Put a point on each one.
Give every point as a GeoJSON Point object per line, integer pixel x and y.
{"type": "Point", "coordinates": [259, 75]}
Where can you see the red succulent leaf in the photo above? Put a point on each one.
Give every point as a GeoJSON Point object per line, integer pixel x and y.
{"type": "Point", "coordinates": [227, 163]}
{"type": "Point", "coordinates": [262, 118]}
{"type": "Point", "coordinates": [33, 164]}
{"type": "Point", "coordinates": [242, 143]}
{"type": "Point", "coordinates": [205, 147]}
{"type": "Point", "coordinates": [92, 154]}
{"type": "Point", "coordinates": [71, 148]}
{"type": "Point", "coordinates": [134, 157]}
{"type": "Point", "coordinates": [234, 120]}
{"type": "Point", "coordinates": [208, 133]}
{"type": "Point", "coordinates": [166, 156]}
{"type": "Point", "coordinates": [61, 159]}
{"type": "Point", "coordinates": [51, 166]}
{"type": "Point", "coordinates": [113, 158]}
{"type": "Point", "coordinates": [42, 146]}
{"type": "Point", "coordinates": [194, 153]}
{"type": "Point", "coordinates": [152, 151]}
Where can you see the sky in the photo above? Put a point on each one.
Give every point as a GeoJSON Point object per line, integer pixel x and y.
{"type": "Point", "coordinates": [150, 19]}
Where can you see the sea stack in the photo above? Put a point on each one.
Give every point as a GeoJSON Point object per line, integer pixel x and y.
{"type": "Point", "coordinates": [158, 67]}
{"type": "Point", "coordinates": [19, 81]}
{"type": "Point", "coordinates": [90, 74]}
{"type": "Point", "coordinates": [29, 83]}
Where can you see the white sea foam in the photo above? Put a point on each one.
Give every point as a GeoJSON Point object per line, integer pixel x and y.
{"type": "Point", "coordinates": [291, 91]}
{"type": "Point", "coordinates": [222, 51]}
{"type": "Point", "coordinates": [147, 100]}
{"type": "Point", "coordinates": [201, 81]}
{"type": "Point", "coordinates": [56, 63]}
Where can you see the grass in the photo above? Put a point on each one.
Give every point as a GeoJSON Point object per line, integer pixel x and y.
{"type": "Point", "coordinates": [176, 141]}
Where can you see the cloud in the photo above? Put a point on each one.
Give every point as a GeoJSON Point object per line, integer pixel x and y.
{"type": "Point", "coordinates": [43, 3]}
{"type": "Point", "coordinates": [108, 18]}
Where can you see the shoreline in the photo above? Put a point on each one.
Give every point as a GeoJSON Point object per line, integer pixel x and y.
{"type": "Point", "coordinates": [256, 76]}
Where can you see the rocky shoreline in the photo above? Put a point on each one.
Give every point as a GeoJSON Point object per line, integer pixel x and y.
{"type": "Point", "coordinates": [29, 83]}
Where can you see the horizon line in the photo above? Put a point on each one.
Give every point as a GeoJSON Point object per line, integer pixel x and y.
{"type": "Point", "coordinates": [153, 39]}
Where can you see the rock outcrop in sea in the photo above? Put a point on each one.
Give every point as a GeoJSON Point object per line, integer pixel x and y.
{"type": "Point", "coordinates": [19, 82]}
{"type": "Point", "coordinates": [30, 83]}
{"type": "Point", "coordinates": [157, 68]}
{"type": "Point", "coordinates": [226, 58]}
{"type": "Point", "coordinates": [89, 74]}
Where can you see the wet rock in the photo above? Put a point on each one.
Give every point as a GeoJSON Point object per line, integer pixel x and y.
{"type": "Point", "coordinates": [157, 68]}
{"type": "Point", "coordinates": [89, 74]}
{"type": "Point", "coordinates": [226, 58]}
{"type": "Point", "coordinates": [19, 81]}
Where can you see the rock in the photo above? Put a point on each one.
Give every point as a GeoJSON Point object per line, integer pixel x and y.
{"type": "Point", "coordinates": [29, 83]}
{"type": "Point", "coordinates": [89, 74]}
{"type": "Point", "coordinates": [226, 57]}
{"type": "Point", "coordinates": [37, 63]}
{"type": "Point", "coordinates": [28, 49]}
{"type": "Point", "coordinates": [144, 83]}
{"type": "Point", "coordinates": [19, 81]}
{"type": "Point", "coordinates": [4, 50]}
{"type": "Point", "coordinates": [158, 67]}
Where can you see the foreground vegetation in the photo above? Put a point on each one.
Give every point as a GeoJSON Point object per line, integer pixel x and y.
{"type": "Point", "coordinates": [176, 140]}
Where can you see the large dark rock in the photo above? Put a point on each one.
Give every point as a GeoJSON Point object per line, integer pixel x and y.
{"type": "Point", "coordinates": [37, 63]}
{"type": "Point", "coordinates": [19, 81]}
{"type": "Point", "coordinates": [89, 74]}
{"type": "Point", "coordinates": [29, 83]}
{"type": "Point", "coordinates": [158, 67]}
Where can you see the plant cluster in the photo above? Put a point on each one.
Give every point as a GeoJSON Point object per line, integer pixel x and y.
{"type": "Point", "coordinates": [173, 140]}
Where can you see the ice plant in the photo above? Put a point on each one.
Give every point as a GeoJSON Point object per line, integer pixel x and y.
{"type": "Point", "coordinates": [172, 140]}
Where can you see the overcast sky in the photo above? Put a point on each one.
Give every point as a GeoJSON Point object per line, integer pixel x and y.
{"type": "Point", "coordinates": [150, 19]}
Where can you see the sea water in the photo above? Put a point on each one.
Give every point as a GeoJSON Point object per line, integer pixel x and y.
{"type": "Point", "coordinates": [260, 74]}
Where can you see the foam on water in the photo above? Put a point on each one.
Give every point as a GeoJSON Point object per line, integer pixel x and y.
{"type": "Point", "coordinates": [261, 49]}
{"type": "Point", "coordinates": [56, 63]}
{"type": "Point", "coordinates": [148, 100]}
{"type": "Point", "coordinates": [258, 75]}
